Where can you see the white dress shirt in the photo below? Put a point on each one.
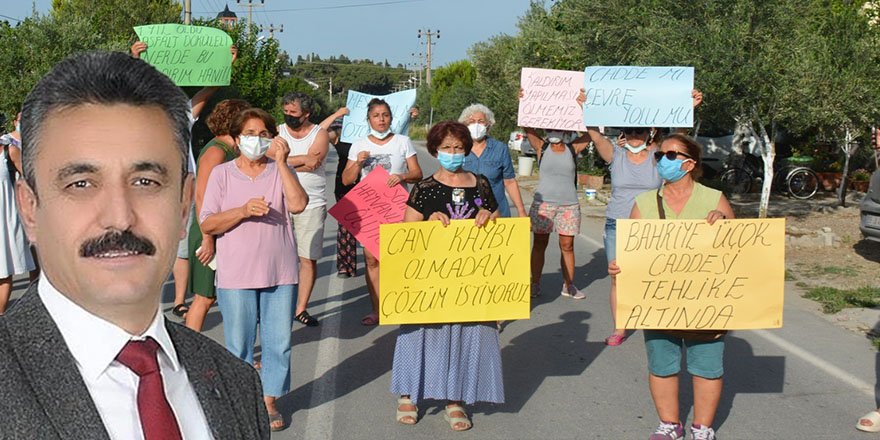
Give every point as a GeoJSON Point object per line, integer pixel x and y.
{"type": "Point", "coordinates": [94, 344]}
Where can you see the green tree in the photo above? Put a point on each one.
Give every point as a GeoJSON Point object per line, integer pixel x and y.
{"type": "Point", "coordinates": [113, 20]}
{"type": "Point", "coordinates": [453, 89]}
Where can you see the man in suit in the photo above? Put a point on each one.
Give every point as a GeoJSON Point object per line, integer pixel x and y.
{"type": "Point", "coordinates": [86, 353]}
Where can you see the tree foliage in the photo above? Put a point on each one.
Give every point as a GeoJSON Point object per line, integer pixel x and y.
{"type": "Point", "coordinates": [806, 68]}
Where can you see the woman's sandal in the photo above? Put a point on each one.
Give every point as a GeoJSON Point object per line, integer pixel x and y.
{"type": "Point", "coordinates": [276, 422]}
{"type": "Point", "coordinates": [453, 421]}
{"type": "Point", "coordinates": [307, 319]}
{"type": "Point", "coordinates": [407, 417]}
{"type": "Point", "coordinates": [180, 310]}
{"type": "Point", "coordinates": [615, 339]}
{"type": "Point", "coordinates": [371, 319]}
{"type": "Point", "coordinates": [874, 418]}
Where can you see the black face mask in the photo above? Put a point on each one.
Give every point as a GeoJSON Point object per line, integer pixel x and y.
{"type": "Point", "coordinates": [293, 121]}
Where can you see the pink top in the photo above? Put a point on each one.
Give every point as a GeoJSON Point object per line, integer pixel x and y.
{"type": "Point", "coordinates": [259, 252]}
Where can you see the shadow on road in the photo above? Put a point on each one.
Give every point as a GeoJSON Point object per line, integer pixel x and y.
{"type": "Point", "coordinates": [744, 373]}
{"type": "Point", "coordinates": [558, 349]}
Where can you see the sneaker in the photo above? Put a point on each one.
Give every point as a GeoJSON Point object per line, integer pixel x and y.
{"type": "Point", "coordinates": [572, 292]}
{"type": "Point", "coordinates": [700, 432]}
{"type": "Point", "coordinates": [668, 431]}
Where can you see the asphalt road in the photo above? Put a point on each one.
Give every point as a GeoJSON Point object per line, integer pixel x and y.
{"type": "Point", "coordinates": [808, 380]}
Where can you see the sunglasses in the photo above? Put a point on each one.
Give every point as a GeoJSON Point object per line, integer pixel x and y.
{"type": "Point", "coordinates": [635, 131]}
{"type": "Point", "coordinates": [670, 155]}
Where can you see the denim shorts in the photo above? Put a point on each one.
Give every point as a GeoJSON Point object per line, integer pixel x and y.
{"type": "Point", "coordinates": [610, 239]}
{"type": "Point", "coordinates": [704, 358]}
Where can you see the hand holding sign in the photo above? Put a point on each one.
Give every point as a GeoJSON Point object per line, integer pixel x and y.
{"type": "Point", "coordinates": [693, 275]}
{"type": "Point", "coordinates": [637, 96]}
{"type": "Point", "coordinates": [457, 272]}
{"type": "Point", "coordinates": [189, 55]}
{"type": "Point", "coordinates": [355, 125]}
{"type": "Point", "coordinates": [547, 99]}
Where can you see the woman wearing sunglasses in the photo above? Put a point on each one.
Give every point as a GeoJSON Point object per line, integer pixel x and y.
{"type": "Point", "coordinates": [682, 197]}
{"type": "Point", "coordinates": [632, 173]}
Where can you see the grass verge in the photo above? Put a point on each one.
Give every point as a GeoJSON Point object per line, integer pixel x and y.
{"type": "Point", "coordinates": [834, 300]}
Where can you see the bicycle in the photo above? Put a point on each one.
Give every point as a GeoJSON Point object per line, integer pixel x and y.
{"type": "Point", "coordinates": [742, 171]}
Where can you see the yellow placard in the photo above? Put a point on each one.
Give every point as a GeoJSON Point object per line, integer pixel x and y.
{"type": "Point", "coordinates": [688, 275]}
{"type": "Point", "coordinates": [459, 273]}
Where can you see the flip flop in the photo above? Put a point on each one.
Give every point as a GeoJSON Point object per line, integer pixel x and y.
{"type": "Point", "coordinates": [401, 415]}
{"type": "Point", "coordinates": [456, 420]}
{"type": "Point", "coordinates": [874, 418]}
{"type": "Point", "coordinates": [370, 320]}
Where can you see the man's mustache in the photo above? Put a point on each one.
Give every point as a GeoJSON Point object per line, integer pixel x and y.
{"type": "Point", "coordinates": [117, 241]}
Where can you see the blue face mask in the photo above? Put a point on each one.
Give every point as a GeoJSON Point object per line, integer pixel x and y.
{"type": "Point", "coordinates": [670, 170]}
{"type": "Point", "coordinates": [449, 161]}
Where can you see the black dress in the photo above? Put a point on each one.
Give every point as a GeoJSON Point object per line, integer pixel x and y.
{"type": "Point", "coordinates": [430, 196]}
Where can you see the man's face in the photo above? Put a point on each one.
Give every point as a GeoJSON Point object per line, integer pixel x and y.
{"type": "Point", "coordinates": [112, 172]}
{"type": "Point", "coordinates": [293, 109]}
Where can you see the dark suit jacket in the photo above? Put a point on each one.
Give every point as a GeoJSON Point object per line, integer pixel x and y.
{"type": "Point", "coordinates": [43, 396]}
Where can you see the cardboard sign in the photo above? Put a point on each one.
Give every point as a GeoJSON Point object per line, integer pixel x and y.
{"type": "Point", "coordinates": [189, 55]}
{"type": "Point", "coordinates": [355, 125]}
{"type": "Point", "coordinates": [637, 96]}
{"type": "Point", "coordinates": [458, 273]}
{"type": "Point", "coordinates": [688, 275]}
{"type": "Point", "coordinates": [370, 203]}
{"type": "Point", "coordinates": [550, 100]}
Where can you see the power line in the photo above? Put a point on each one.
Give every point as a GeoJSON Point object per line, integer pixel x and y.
{"type": "Point", "coordinates": [11, 18]}
{"type": "Point", "coordinates": [316, 8]}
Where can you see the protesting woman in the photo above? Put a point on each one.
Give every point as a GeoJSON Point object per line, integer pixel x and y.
{"type": "Point", "coordinates": [632, 172]}
{"type": "Point", "coordinates": [246, 204]}
{"type": "Point", "coordinates": [457, 363]}
{"type": "Point", "coordinates": [682, 197]}
{"type": "Point", "coordinates": [491, 158]}
{"type": "Point", "coordinates": [394, 153]}
{"type": "Point", "coordinates": [555, 206]}
{"type": "Point", "coordinates": [218, 150]}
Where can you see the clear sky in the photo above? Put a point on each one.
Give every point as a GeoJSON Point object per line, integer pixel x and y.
{"type": "Point", "coordinates": [383, 29]}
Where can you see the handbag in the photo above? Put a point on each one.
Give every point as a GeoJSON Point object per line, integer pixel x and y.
{"type": "Point", "coordinates": [692, 335]}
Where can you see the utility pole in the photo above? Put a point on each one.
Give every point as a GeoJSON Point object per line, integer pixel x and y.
{"type": "Point", "coordinates": [187, 11]}
{"type": "Point", "coordinates": [272, 29]}
{"type": "Point", "coordinates": [249, 4]}
{"type": "Point", "coordinates": [419, 66]}
{"type": "Point", "coordinates": [428, 34]}
{"type": "Point", "coordinates": [331, 89]}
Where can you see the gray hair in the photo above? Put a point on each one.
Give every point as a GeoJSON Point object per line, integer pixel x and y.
{"type": "Point", "coordinates": [306, 103]}
{"type": "Point", "coordinates": [476, 108]}
{"type": "Point", "coordinates": [101, 78]}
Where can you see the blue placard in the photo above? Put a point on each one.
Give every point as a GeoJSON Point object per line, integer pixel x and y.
{"type": "Point", "coordinates": [355, 126]}
{"type": "Point", "coordinates": [638, 96]}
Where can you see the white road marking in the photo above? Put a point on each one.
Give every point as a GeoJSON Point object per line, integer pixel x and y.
{"type": "Point", "coordinates": [817, 362]}
{"type": "Point", "coordinates": [319, 419]}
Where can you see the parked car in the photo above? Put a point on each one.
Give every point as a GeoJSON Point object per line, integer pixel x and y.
{"type": "Point", "coordinates": [870, 207]}
{"type": "Point", "coordinates": [520, 142]}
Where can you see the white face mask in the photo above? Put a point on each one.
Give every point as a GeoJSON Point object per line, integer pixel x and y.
{"type": "Point", "coordinates": [555, 137]}
{"type": "Point", "coordinates": [18, 127]}
{"type": "Point", "coordinates": [636, 150]}
{"type": "Point", "coordinates": [380, 134]}
{"type": "Point", "coordinates": [253, 147]}
{"type": "Point", "coordinates": [478, 131]}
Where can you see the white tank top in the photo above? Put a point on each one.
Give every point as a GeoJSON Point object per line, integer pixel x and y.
{"type": "Point", "coordinates": [314, 182]}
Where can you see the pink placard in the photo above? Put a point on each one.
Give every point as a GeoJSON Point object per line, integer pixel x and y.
{"type": "Point", "coordinates": [550, 99]}
{"type": "Point", "coordinates": [369, 204]}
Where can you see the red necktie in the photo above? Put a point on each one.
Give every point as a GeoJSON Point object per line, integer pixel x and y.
{"type": "Point", "coordinates": [157, 418]}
